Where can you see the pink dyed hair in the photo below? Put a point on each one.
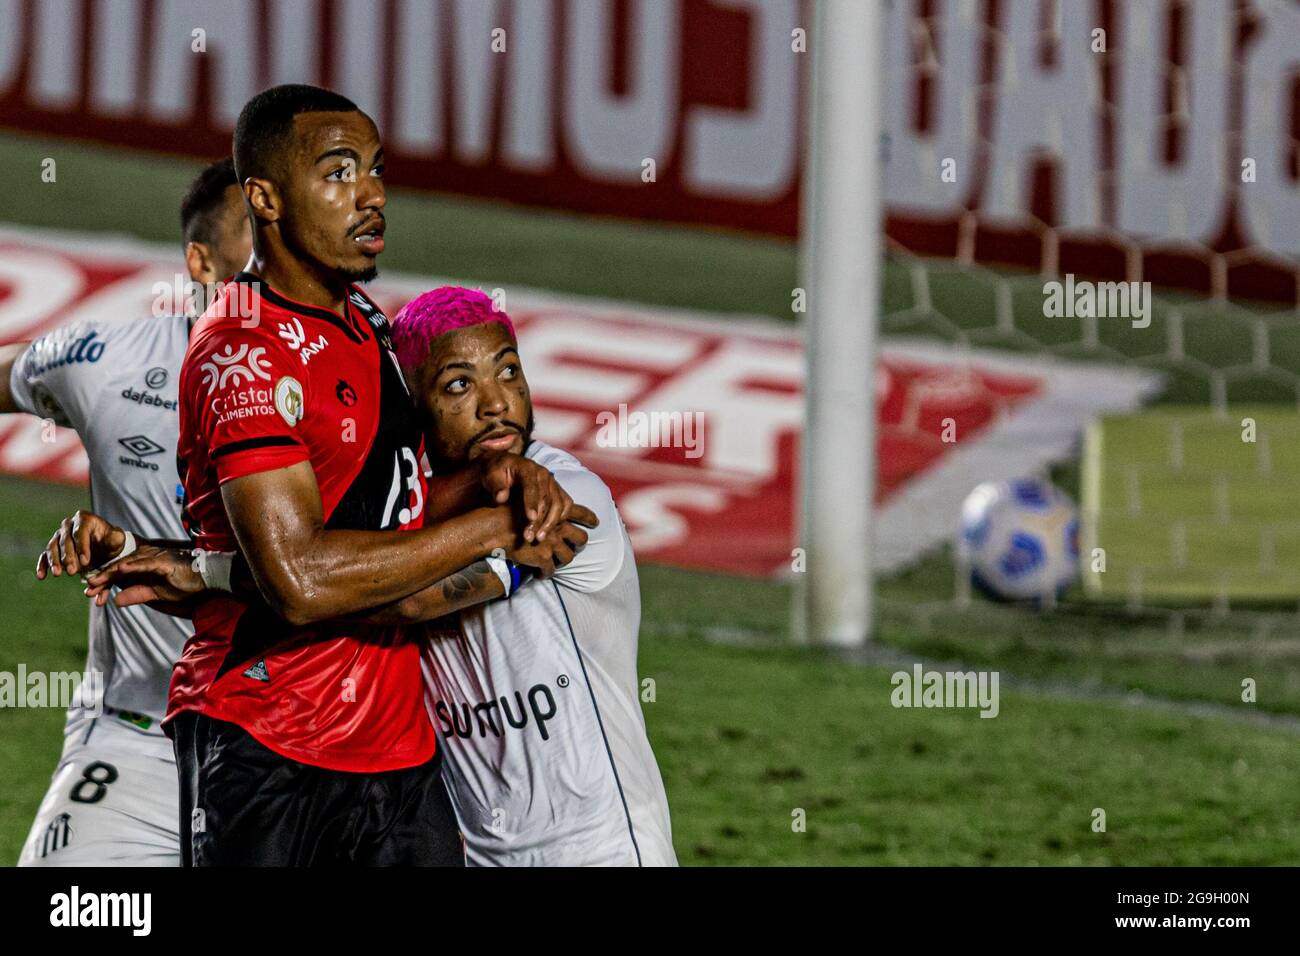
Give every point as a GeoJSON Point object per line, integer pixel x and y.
{"type": "Point", "coordinates": [438, 312]}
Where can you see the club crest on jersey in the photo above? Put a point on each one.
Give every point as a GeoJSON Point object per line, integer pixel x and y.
{"type": "Point", "coordinates": [288, 400]}
{"type": "Point", "coordinates": [228, 365]}
{"type": "Point", "coordinates": [292, 332]}
{"type": "Point", "coordinates": [47, 406]}
{"type": "Point", "coordinates": [57, 835]}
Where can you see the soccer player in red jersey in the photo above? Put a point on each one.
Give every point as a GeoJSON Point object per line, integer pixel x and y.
{"type": "Point", "coordinates": [301, 739]}
{"type": "Point", "coordinates": [534, 681]}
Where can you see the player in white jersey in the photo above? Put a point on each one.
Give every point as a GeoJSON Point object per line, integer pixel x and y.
{"type": "Point", "coordinates": [113, 797]}
{"type": "Point", "coordinates": [536, 696]}
{"type": "Point", "coordinates": [533, 686]}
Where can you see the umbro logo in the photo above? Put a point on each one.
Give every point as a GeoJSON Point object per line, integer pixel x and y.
{"type": "Point", "coordinates": [141, 446]}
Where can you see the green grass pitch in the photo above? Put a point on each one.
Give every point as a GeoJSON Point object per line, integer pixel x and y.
{"type": "Point", "coordinates": [1192, 506]}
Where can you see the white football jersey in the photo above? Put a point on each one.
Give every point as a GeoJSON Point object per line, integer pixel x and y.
{"type": "Point", "coordinates": [115, 383]}
{"type": "Point", "coordinates": [537, 703]}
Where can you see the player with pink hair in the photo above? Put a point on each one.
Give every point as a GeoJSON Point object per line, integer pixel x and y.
{"type": "Point", "coordinates": [535, 689]}
{"type": "Point", "coordinates": [439, 311]}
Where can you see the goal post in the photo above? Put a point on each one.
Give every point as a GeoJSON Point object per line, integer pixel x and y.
{"type": "Point", "coordinates": [840, 249]}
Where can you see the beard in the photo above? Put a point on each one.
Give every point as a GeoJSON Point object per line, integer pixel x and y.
{"type": "Point", "coordinates": [360, 276]}
{"type": "Point", "coordinates": [444, 462]}
{"type": "Point", "coordinates": [302, 251]}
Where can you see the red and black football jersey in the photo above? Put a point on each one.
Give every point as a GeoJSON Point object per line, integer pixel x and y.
{"type": "Point", "coordinates": [267, 383]}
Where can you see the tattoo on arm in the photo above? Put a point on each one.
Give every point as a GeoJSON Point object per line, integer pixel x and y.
{"type": "Point", "coordinates": [465, 583]}
{"type": "Point", "coordinates": [465, 588]}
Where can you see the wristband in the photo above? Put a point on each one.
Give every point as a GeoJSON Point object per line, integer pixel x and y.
{"type": "Point", "coordinates": [214, 568]}
{"type": "Point", "coordinates": [501, 568]}
{"type": "Point", "coordinates": [128, 548]}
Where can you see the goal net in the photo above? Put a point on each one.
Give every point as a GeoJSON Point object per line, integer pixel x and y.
{"type": "Point", "coordinates": [1111, 185]}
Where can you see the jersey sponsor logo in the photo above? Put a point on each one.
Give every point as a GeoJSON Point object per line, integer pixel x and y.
{"type": "Point", "coordinates": [245, 403]}
{"type": "Point", "coordinates": [156, 377]}
{"type": "Point", "coordinates": [149, 398]}
{"type": "Point", "coordinates": [292, 332]}
{"type": "Point", "coordinates": [288, 400]}
{"type": "Point", "coordinates": [52, 352]}
{"type": "Point", "coordinates": [497, 716]}
{"type": "Point", "coordinates": [57, 835]}
{"type": "Point", "coordinates": [228, 365]}
{"type": "Point", "coordinates": [142, 447]}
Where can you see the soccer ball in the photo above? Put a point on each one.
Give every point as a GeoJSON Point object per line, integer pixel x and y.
{"type": "Point", "coordinates": [1021, 538]}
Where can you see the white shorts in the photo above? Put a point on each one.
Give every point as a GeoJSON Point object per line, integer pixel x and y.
{"type": "Point", "coordinates": [113, 800]}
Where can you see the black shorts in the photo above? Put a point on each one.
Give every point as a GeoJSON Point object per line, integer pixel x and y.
{"type": "Point", "coordinates": [242, 804]}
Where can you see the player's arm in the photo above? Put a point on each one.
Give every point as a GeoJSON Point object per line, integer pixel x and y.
{"type": "Point", "coordinates": [606, 549]}
{"type": "Point", "coordinates": [9, 355]}
{"type": "Point", "coordinates": [462, 589]}
{"type": "Point", "coordinates": [85, 541]}
{"type": "Point", "coordinates": [171, 580]}
{"type": "Point", "coordinates": [308, 573]}
{"type": "Point", "coordinates": [50, 377]}
{"type": "Point", "coordinates": [481, 582]}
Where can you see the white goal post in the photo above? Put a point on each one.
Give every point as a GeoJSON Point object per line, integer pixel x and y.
{"type": "Point", "coordinates": [840, 237]}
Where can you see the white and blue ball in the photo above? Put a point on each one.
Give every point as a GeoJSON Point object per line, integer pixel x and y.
{"type": "Point", "coordinates": [1021, 539]}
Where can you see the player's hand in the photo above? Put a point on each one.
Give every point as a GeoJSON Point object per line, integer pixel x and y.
{"type": "Point", "coordinates": [545, 504]}
{"type": "Point", "coordinates": [559, 548]}
{"type": "Point", "coordinates": [149, 575]}
{"type": "Point", "coordinates": [83, 541]}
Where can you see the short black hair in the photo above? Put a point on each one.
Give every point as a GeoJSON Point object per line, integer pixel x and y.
{"type": "Point", "coordinates": [202, 202]}
{"type": "Point", "coordinates": [266, 120]}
